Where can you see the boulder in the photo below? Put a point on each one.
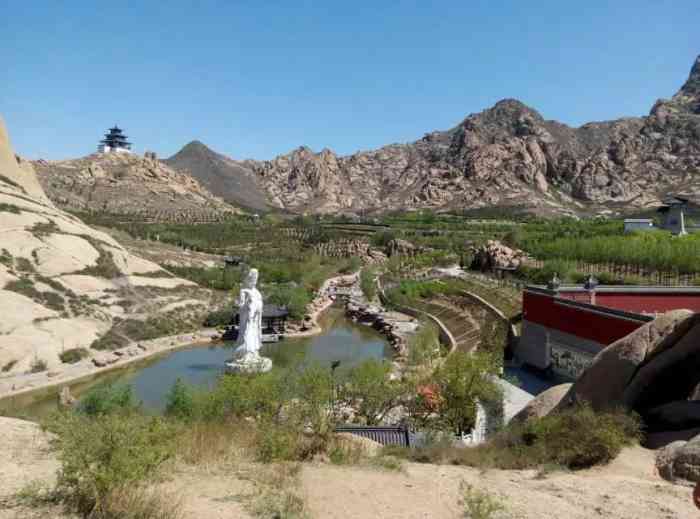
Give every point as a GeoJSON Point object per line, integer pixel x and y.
{"type": "Point", "coordinates": [543, 403]}
{"type": "Point", "coordinates": [494, 255]}
{"type": "Point", "coordinates": [680, 461]}
{"type": "Point", "coordinates": [671, 373]}
{"type": "Point", "coordinates": [605, 381]}
{"type": "Point", "coordinates": [673, 416]}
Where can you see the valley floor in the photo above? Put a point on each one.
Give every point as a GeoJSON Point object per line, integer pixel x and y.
{"type": "Point", "coordinates": [625, 489]}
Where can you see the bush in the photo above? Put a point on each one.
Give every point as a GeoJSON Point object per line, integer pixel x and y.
{"type": "Point", "coordinates": [456, 386]}
{"type": "Point", "coordinates": [108, 399]}
{"type": "Point", "coordinates": [294, 298]}
{"type": "Point", "coordinates": [74, 355]}
{"type": "Point", "coordinates": [218, 318]}
{"type": "Point", "coordinates": [367, 283]}
{"type": "Point", "coordinates": [371, 392]}
{"type": "Point", "coordinates": [179, 401]}
{"type": "Point", "coordinates": [38, 365]}
{"type": "Point", "coordinates": [106, 456]}
{"type": "Point", "coordinates": [576, 438]}
{"type": "Point", "coordinates": [479, 504]}
{"type": "Point", "coordinates": [424, 346]}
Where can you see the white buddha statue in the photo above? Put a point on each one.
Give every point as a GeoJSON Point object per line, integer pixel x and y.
{"type": "Point", "coordinates": [246, 356]}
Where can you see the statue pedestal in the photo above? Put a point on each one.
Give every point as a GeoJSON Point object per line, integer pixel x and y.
{"type": "Point", "coordinates": [249, 364]}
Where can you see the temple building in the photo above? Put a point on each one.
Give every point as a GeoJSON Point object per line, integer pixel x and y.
{"type": "Point", "coordinates": [114, 141]}
{"type": "Point", "coordinates": [565, 327]}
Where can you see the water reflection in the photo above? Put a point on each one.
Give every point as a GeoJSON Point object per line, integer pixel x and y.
{"type": "Point", "coordinates": [342, 340]}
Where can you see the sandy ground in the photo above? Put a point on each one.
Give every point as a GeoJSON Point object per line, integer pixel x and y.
{"type": "Point", "coordinates": [625, 489]}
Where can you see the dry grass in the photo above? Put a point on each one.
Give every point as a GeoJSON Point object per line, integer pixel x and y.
{"type": "Point", "coordinates": [215, 444]}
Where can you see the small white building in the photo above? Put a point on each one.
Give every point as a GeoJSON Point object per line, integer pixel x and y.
{"type": "Point", "coordinates": [639, 224]}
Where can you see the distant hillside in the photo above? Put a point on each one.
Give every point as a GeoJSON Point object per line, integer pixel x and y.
{"type": "Point", "coordinates": [120, 183]}
{"type": "Point", "coordinates": [505, 156]}
{"type": "Point", "coordinates": [231, 180]}
{"type": "Point", "coordinates": [63, 284]}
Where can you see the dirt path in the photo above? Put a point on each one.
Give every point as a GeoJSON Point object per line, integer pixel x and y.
{"type": "Point", "coordinates": [625, 489]}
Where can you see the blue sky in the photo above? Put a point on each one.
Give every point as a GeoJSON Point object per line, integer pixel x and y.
{"type": "Point", "coordinates": [254, 79]}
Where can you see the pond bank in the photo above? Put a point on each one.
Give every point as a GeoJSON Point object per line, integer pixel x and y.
{"type": "Point", "coordinates": [24, 384]}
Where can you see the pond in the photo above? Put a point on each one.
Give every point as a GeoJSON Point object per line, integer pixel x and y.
{"type": "Point", "coordinates": [341, 340]}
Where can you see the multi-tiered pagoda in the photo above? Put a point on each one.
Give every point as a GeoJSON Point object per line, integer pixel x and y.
{"type": "Point", "coordinates": [114, 140]}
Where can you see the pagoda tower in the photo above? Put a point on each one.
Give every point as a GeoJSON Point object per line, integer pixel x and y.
{"type": "Point", "coordinates": [115, 141]}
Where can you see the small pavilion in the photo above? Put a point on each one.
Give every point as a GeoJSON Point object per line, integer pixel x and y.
{"type": "Point", "coordinates": [115, 141]}
{"type": "Point", "coordinates": [274, 319]}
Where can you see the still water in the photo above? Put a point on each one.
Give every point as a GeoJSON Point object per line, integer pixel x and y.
{"type": "Point", "coordinates": [341, 340]}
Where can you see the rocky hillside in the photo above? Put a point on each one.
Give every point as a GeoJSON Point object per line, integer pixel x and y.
{"type": "Point", "coordinates": [507, 155]}
{"type": "Point", "coordinates": [128, 184]}
{"type": "Point", "coordinates": [64, 285]}
{"type": "Point", "coordinates": [231, 180]}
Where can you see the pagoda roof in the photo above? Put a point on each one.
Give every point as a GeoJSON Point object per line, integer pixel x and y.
{"type": "Point", "coordinates": [675, 200]}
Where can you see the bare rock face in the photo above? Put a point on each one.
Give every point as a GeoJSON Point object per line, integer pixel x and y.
{"type": "Point", "coordinates": [543, 403]}
{"type": "Point", "coordinates": [64, 285]}
{"type": "Point", "coordinates": [493, 254]}
{"type": "Point", "coordinates": [680, 461]}
{"type": "Point", "coordinates": [607, 379]}
{"type": "Point", "coordinates": [122, 183]}
{"type": "Point", "coordinates": [507, 155]}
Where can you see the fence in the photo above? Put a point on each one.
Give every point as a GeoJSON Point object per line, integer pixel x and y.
{"type": "Point", "coordinates": [651, 276]}
{"type": "Point", "coordinates": [383, 435]}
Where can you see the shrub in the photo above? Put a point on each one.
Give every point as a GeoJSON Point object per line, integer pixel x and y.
{"type": "Point", "coordinates": [277, 443]}
{"type": "Point", "coordinates": [576, 438]}
{"type": "Point", "coordinates": [112, 340]}
{"type": "Point", "coordinates": [479, 504]}
{"type": "Point", "coordinates": [580, 437]}
{"type": "Point", "coordinates": [294, 298]}
{"type": "Point", "coordinates": [179, 401]}
{"type": "Point", "coordinates": [9, 208]}
{"type": "Point", "coordinates": [370, 390]}
{"type": "Point", "coordinates": [424, 346]}
{"type": "Point", "coordinates": [73, 355]}
{"type": "Point", "coordinates": [107, 399]}
{"type": "Point", "coordinates": [9, 365]}
{"type": "Point", "coordinates": [38, 365]}
{"type": "Point", "coordinates": [107, 458]}
{"type": "Point", "coordinates": [367, 283]}
{"type": "Point", "coordinates": [218, 318]}
{"type": "Point", "coordinates": [6, 258]}
{"type": "Point", "coordinates": [456, 387]}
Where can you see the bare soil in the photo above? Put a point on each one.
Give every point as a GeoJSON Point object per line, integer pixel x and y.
{"type": "Point", "coordinates": [627, 488]}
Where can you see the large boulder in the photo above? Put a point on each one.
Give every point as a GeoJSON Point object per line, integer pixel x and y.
{"type": "Point", "coordinates": [494, 255]}
{"type": "Point", "coordinates": [543, 403]}
{"type": "Point", "coordinates": [605, 381]}
{"type": "Point", "coordinates": [672, 373]}
{"type": "Point", "coordinates": [673, 416]}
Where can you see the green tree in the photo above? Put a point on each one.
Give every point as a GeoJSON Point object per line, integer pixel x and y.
{"type": "Point", "coordinates": [454, 390]}
{"type": "Point", "coordinates": [371, 391]}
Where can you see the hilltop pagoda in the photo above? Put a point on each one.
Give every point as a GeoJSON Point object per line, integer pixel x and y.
{"type": "Point", "coordinates": [114, 141]}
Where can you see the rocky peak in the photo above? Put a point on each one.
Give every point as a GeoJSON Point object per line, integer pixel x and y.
{"type": "Point", "coordinates": [687, 100]}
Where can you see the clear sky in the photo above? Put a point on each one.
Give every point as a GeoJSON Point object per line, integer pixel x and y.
{"type": "Point", "coordinates": [254, 79]}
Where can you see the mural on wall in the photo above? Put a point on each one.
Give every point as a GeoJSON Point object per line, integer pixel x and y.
{"type": "Point", "coordinates": [569, 362]}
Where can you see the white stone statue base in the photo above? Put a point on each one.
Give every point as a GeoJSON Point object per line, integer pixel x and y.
{"type": "Point", "coordinates": [250, 363]}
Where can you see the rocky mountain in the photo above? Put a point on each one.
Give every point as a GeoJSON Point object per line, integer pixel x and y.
{"type": "Point", "coordinates": [64, 285]}
{"type": "Point", "coordinates": [231, 180]}
{"type": "Point", "coordinates": [507, 155]}
{"type": "Point", "coordinates": [124, 183]}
